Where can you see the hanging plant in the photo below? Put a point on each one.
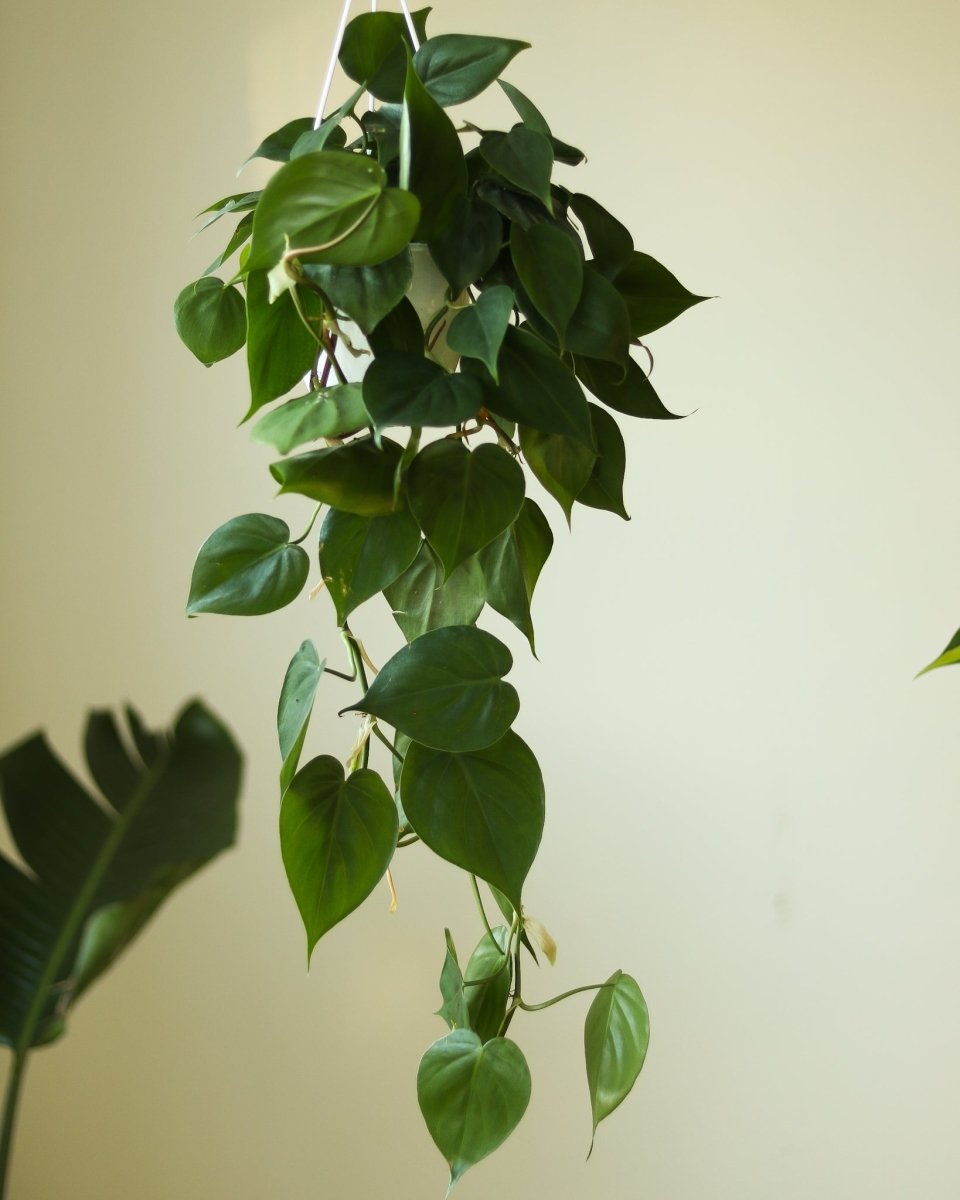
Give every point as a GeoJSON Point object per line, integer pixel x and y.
{"type": "Point", "coordinates": [420, 426]}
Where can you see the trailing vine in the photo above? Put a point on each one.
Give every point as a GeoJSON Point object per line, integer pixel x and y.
{"type": "Point", "coordinates": [540, 296]}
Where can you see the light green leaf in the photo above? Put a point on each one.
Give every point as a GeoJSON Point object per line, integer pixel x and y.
{"type": "Point", "coordinates": [949, 657]}
{"type": "Point", "coordinates": [654, 297]}
{"type": "Point", "coordinates": [461, 499]}
{"type": "Point", "coordinates": [562, 464]}
{"type": "Point", "coordinates": [237, 239]}
{"type": "Point", "coordinates": [524, 158]}
{"type": "Point", "coordinates": [364, 294]}
{"type": "Point", "coordinates": [329, 413]}
{"type": "Point", "coordinates": [456, 67]}
{"type": "Point", "coordinates": [356, 477]}
{"type": "Point", "coordinates": [550, 268]}
{"type": "Point", "coordinates": [337, 837]}
{"type": "Point", "coordinates": [632, 394]}
{"type": "Point", "coordinates": [470, 243]}
{"type": "Point", "coordinates": [432, 165]}
{"type": "Point", "coordinates": [604, 488]}
{"type": "Point", "coordinates": [615, 1039]}
{"type": "Point", "coordinates": [512, 564]}
{"type": "Point", "coordinates": [211, 319]}
{"type": "Point", "coordinates": [408, 389]}
{"type": "Point", "coordinates": [537, 389]}
{"type": "Point", "coordinates": [422, 600]}
{"type": "Point", "coordinates": [446, 690]}
{"type": "Point", "coordinates": [472, 1096]}
{"type": "Point", "coordinates": [481, 810]}
{"type": "Point", "coordinates": [478, 330]}
{"type": "Point", "coordinates": [360, 556]}
{"type": "Point", "coordinates": [246, 568]}
{"type": "Point", "coordinates": [487, 978]}
{"type": "Point", "coordinates": [296, 704]}
{"type": "Point", "coordinates": [280, 349]}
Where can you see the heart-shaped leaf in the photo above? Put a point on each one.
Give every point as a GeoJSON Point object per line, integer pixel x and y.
{"type": "Point", "coordinates": [462, 500]}
{"type": "Point", "coordinates": [374, 51]}
{"type": "Point", "coordinates": [337, 836]}
{"type": "Point", "coordinates": [211, 319]}
{"type": "Point", "coordinates": [653, 295]}
{"type": "Point", "coordinates": [280, 349]}
{"type": "Point", "coordinates": [524, 158]}
{"type": "Point", "coordinates": [537, 389]}
{"type": "Point", "coordinates": [455, 67]}
{"type": "Point", "coordinates": [421, 599]}
{"type": "Point", "coordinates": [296, 704]}
{"type": "Point", "coordinates": [615, 1039]}
{"type": "Point", "coordinates": [364, 294]}
{"type": "Point", "coordinates": [482, 810]}
{"type": "Point", "coordinates": [446, 690]}
{"type": "Point", "coordinates": [360, 556]}
{"type": "Point", "coordinates": [478, 330]}
{"type": "Point", "coordinates": [600, 326]}
{"type": "Point", "coordinates": [408, 389]}
{"type": "Point", "coordinates": [329, 413]}
{"type": "Point", "coordinates": [247, 567]}
{"type": "Point", "coordinates": [550, 268]}
{"type": "Point", "coordinates": [357, 477]}
{"type": "Point", "coordinates": [512, 564]}
{"type": "Point", "coordinates": [562, 464]}
{"type": "Point", "coordinates": [469, 244]}
{"type": "Point", "coordinates": [472, 1096]}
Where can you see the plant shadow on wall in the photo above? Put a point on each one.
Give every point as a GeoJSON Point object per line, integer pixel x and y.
{"type": "Point", "coordinates": [421, 275]}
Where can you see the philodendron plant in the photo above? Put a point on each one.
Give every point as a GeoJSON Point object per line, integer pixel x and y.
{"type": "Point", "coordinates": [417, 427]}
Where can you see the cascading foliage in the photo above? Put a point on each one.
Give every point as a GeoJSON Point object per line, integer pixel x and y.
{"type": "Point", "coordinates": [423, 472]}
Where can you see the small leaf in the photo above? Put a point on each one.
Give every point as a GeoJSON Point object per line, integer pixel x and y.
{"type": "Point", "coordinates": [470, 243]}
{"type": "Point", "coordinates": [524, 158]}
{"type": "Point", "coordinates": [337, 837]}
{"type": "Point", "coordinates": [446, 690]}
{"type": "Point", "coordinates": [604, 488]}
{"type": "Point", "coordinates": [276, 146]}
{"type": "Point", "coordinates": [408, 389]}
{"type": "Point", "coordinates": [422, 600]}
{"type": "Point", "coordinates": [479, 329]}
{"type": "Point", "coordinates": [296, 704]}
{"type": "Point", "coordinates": [364, 294]}
{"type": "Point", "coordinates": [211, 319]}
{"type": "Point", "coordinates": [600, 326]}
{"type": "Point", "coordinates": [456, 67]}
{"type": "Point", "coordinates": [632, 394]}
{"type": "Point", "coordinates": [512, 564]}
{"type": "Point", "coordinates": [615, 1038]}
{"type": "Point", "coordinates": [461, 499]}
{"type": "Point", "coordinates": [432, 165]}
{"type": "Point", "coordinates": [472, 1096]}
{"type": "Point", "coordinates": [383, 233]}
{"type": "Point", "coordinates": [550, 268]}
{"type": "Point", "coordinates": [247, 567]}
{"type": "Point", "coordinates": [453, 1010]}
{"type": "Point", "coordinates": [527, 111]}
{"type": "Point", "coordinates": [487, 981]}
{"type": "Point", "coordinates": [356, 477]}
{"type": "Point", "coordinates": [610, 242]}
{"type": "Point", "coordinates": [280, 349]}
{"type": "Point", "coordinates": [654, 297]}
{"type": "Point", "coordinates": [481, 810]}
{"type": "Point", "coordinates": [537, 389]}
{"type": "Point", "coordinates": [360, 556]}
{"type": "Point", "coordinates": [949, 657]}
{"type": "Point", "coordinates": [237, 239]}
{"type": "Point", "coordinates": [329, 413]}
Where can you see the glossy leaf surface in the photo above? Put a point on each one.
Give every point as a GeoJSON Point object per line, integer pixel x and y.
{"type": "Point", "coordinates": [653, 295]}
{"type": "Point", "coordinates": [277, 145]}
{"type": "Point", "coordinates": [431, 158]}
{"type": "Point", "coordinates": [615, 1039]}
{"type": "Point", "coordinates": [551, 270]}
{"type": "Point", "coordinates": [357, 477]}
{"type": "Point", "coordinates": [479, 329]}
{"type": "Point", "coordinates": [446, 690]}
{"type": "Point", "coordinates": [337, 836]}
{"type": "Point", "coordinates": [538, 390]}
{"type": "Point", "coordinates": [632, 394]}
{"type": "Point", "coordinates": [524, 158]}
{"type": "Point", "coordinates": [421, 599]}
{"type": "Point", "coordinates": [280, 349]}
{"type": "Point", "coordinates": [453, 1008]}
{"type": "Point", "coordinates": [487, 979]}
{"type": "Point", "coordinates": [469, 244]}
{"type": "Point", "coordinates": [512, 564]}
{"type": "Point", "coordinates": [247, 567]}
{"type": "Point", "coordinates": [408, 389]}
{"type": "Point", "coordinates": [211, 319]}
{"type": "Point", "coordinates": [455, 67]}
{"type": "Point", "coordinates": [328, 413]}
{"type": "Point", "coordinates": [374, 51]}
{"type": "Point", "coordinates": [360, 556]}
{"type": "Point", "coordinates": [604, 488]}
{"type": "Point", "coordinates": [562, 464]}
{"type": "Point", "coordinates": [296, 704]}
{"type": "Point", "coordinates": [366, 294]}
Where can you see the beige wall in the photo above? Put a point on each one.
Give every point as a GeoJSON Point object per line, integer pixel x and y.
{"type": "Point", "coordinates": [751, 804]}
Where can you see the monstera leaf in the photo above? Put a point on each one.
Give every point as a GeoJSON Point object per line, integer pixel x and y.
{"type": "Point", "coordinates": [100, 868]}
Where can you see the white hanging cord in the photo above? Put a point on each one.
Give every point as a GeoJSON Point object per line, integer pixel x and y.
{"type": "Point", "coordinates": [413, 33]}
{"type": "Point", "coordinates": [328, 82]}
{"type": "Point", "coordinates": [371, 101]}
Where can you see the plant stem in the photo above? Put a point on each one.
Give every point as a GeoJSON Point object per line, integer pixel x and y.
{"type": "Point", "coordinates": [482, 911]}
{"type": "Point", "coordinates": [303, 537]}
{"type": "Point", "coordinates": [587, 987]}
{"type": "Point", "coordinates": [10, 1099]}
{"type": "Point", "coordinates": [356, 656]}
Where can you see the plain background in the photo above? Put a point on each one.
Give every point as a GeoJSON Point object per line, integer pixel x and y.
{"type": "Point", "coordinates": [751, 805]}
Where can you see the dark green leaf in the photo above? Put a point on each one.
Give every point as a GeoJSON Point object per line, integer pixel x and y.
{"type": "Point", "coordinates": [446, 690]}
{"type": "Point", "coordinates": [615, 1039]}
{"type": "Point", "coordinates": [431, 158]}
{"type": "Point", "coordinates": [515, 206]}
{"type": "Point", "coordinates": [374, 51]}
{"type": "Point", "coordinates": [488, 978]}
{"type": "Point", "coordinates": [356, 477]}
{"type": "Point", "coordinates": [360, 556]}
{"type": "Point", "coordinates": [949, 657]}
{"type": "Point", "coordinates": [600, 327]}
{"type": "Point", "coordinates": [604, 488]}
{"type": "Point", "coordinates": [527, 111]}
{"type": "Point", "coordinates": [99, 871]}
{"type": "Point", "coordinates": [472, 1096]}
{"type": "Point", "coordinates": [469, 245]}
{"type": "Point", "coordinates": [538, 390]}
{"type": "Point", "coordinates": [455, 67]}
{"type": "Point", "coordinates": [653, 296]}
{"type": "Point", "coordinates": [364, 294]}
{"type": "Point", "coordinates": [382, 126]}
{"type": "Point", "coordinates": [524, 158]}
{"type": "Point", "coordinates": [211, 319]}
{"type": "Point", "coordinates": [337, 837]}
{"type": "Point", "coordinates": [239, 236]}
{"type": "Point", "coordinates": [479, 329]}
{"type": "Point", "coordinates": [317, 199]}
{"type": "Point", "coordinates": [277, 145]}
{"type": "Point", "coordinates": [633, 395]}
{"type": "Point", "coordinates": [408, 389]}
{"type": "Point", "coordinates": [280, 349]}
{"type": "Point", "coordinates": [296, 704]}
{"type": "Point", "coordinates": [400, 329]}
{"type": "Point", "coordinates": [328, 136]}
{"type": "Point", "coordinates": [550, 268]}
{"type": "Point", "coordinates": [512, 564]}
{"type": "Point", "coordinates": [422, 600]}
{"type": "Point", "coordinates": [453, 1010]}
{"type": "Point", "coordinates": [330, 413]}
{"type": "Point", "coordinates": [482, 810]}
{"type": "Point", "coordinates": [562, 464]}
{"type": "Point", "coordinates": [462, 499]}
{"type": "Point", "coordinates": [610, 242]}
{"type": "Point", "coordinates": [247, 567]}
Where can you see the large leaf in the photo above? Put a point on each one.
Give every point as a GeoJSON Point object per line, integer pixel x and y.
{"type": "Point", "coordinates": [357, 477]}
{"type": "Point", "coordinates": [487, 979]}
{"type": "Point", "coordinates": [600, 326]}
{"type": "Point", "coordinates": [280, 348]}
{"type": "Point", "coordinates": [479, 329]}
{"type": "Point", "coordinates": [472, 1096]}
{"type": "Point", "coordinates": [383, 233]}
{"type": "Point", "coordinates": [374, 51]}
{"type": "Point", "coordinates": [296, 704]}
{"type": "Point", "coordinates": [337, 836]}
{"type": "Point", "coordinates": [632, 394]}
{"type": "Point", "coordinates": [512, 564]}
{"type": "Point", "coordinates": [455, 67]}
{"type": "Point", "coordinates": [331, 412]}
{"type": "Point", "coordinates": [407, 389]}
{"type": "Point", "coordinates": [99, 870]}
{"type": "Point", "coordinates": [604, 488]}
{"type": "Point", "coordinates": [246, 568]}
{"type": "Point", "coordinates": [615, 1039]}
{"type": "Point", "coordinates": [446, 690]}
{"type": "Point", "coordinates": [211, 319]}
{"type": "Point", "coordinates": [481, 810]}
{"type": "Point", "coordinates": [551, 270]}
{"type": "Point", "coordinates": [524, 158]}
{"type": "Point", "coordinates": [654, 296]}
{"type": "Point", "coordinates": [562, 464]}
{"type": "Point", "coordinates": [421, 599]}
{"type": "Point", "coordinates": [365, 294]}
{"type": "Point", "coordinates": [431, 158]}
{"type": "Point", "coordinates": [360, 556]}
{"type": "Point", "coordinates": [949, 657]}
{"type": "Point", "coordinates": [462, 499]}
{"type": "Point", "coordinates": [538, 390]}
{"type": "Point", "coordinates": [470, 243]}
